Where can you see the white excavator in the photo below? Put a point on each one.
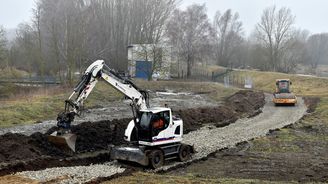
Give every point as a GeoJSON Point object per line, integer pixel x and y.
{"type": "Point", "coordinates": [154, 134]}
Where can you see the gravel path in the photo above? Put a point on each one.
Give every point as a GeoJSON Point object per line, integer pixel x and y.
{"type": "Point", "coordinates": [120, 109]}
{"type": "Point", "coordinates": [79, 174]}
{"type": "Point", "coordinates": [206, 140]}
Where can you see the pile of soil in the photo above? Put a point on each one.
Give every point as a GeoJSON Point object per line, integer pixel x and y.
{"type": "Point", "coordinates": [17, 147]}
{"type": "Point", "coordinates": [246, 102]}
{"type": "Point", "coordinates": [194, 119]}
{"type": "Point", "coordinates": [311, 103]}
{"type": "Point", "coordinates": [99, 135]}
{"type": "Point", "coordinates": [93, 136]}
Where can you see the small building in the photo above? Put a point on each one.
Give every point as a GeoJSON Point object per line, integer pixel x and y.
{"type": "Point", "coordinates": [149, 61]}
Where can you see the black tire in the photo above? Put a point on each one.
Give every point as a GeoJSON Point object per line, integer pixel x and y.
{"type": "Point", "coordinates": [184, 153]}
{"type": "Point", "coordinates": [156, 159]}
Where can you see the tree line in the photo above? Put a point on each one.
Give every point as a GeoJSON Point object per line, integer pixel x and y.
{"type": "Point", "coordinates": [65, 36]}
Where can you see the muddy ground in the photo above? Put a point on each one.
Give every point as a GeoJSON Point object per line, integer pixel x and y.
{"type": "Point", "coordinates": [298, 153]}
{"type": "Point", "coordinates": [121, 109]}
{"type": "Point", "coordinates": [20, 150]}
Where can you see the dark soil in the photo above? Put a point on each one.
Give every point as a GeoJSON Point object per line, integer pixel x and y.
{"type": "Point", "coordinates": [311, 103]}
{"type": "Point", "coordinates": [17, 147]}
{"type": "Point", "coordinates": [298, 153]}
{"type": "Point", "coordinates": [95, 136]}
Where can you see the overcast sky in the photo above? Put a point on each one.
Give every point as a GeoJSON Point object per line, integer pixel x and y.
{"type": "Point", "coordinates": [310, 14]}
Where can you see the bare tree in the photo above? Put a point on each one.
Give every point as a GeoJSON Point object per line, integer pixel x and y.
{"type": "Point", "coordinates": [116, 24]}
{"type": "Point", "coordinates": [317, 50]}
{"type": "Point", "coordinates": [189, 32]}
{"type": "Point", "coordinates": [295, 52]}
{"type": "Point", "coordinates": [273, 33]}
{"type": "Point", "coordinates": [228, 29]}
{"type": "Point", "coordinates": [25, 49]}
{"type": "Point", "coordinates": [66, 35]}
{"type": "Point", "coordinates": [37, 13]}
{"type": "Point", "coordinates": [3, 48]}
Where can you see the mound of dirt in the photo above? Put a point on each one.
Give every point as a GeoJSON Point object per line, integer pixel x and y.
{"type": "Point", "coordinates": [17, 147]}
{"type": "Point", "coordinates": [93, 136]}
{"type": "Point", "coordinates": [99, 135]}
{"type": "Point", "coordinates": [193, 119]}
{"type": "Point", "coordinates": [311, 103]}
{"type": "Point", "coordinates": [246, 102]}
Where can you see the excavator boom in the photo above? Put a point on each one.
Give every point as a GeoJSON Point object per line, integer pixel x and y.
{"type": "Point", "coordinates": [63, 137]}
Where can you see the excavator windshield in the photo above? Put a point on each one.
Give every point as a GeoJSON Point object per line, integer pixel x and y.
{"type": "Point", "coordinates": [145, 119]}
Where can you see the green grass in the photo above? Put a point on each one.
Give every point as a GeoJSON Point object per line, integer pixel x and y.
{"type": "Point", "coordinates": [302, 85]}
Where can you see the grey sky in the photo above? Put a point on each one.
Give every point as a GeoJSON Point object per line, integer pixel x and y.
{"type": "Point", "coordinates": [310, 14]}
{"type": "Point", "coordinates": [13, 12]}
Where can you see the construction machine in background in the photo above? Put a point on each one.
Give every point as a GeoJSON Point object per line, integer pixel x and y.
{"type": "Point", "coordinates": [283, 94]}
{"type": "Point", "coordinates": [154, 133]}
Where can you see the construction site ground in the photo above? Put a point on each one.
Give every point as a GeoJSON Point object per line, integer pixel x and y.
{"type": "Point", "coordinates": [217, 126]}
{"type": "Point", "coordinates": [295, 153]}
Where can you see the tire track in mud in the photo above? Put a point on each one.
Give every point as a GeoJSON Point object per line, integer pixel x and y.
{"type": "Point", "coordinates": [208, 140]}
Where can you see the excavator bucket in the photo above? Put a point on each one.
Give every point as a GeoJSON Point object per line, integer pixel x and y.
{"type": "Point", "coordinates": [131, 154]}
{"type": "Point", "coordinates": [65, 142]}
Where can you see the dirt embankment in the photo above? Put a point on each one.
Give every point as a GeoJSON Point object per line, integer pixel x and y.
{"type": "Point", "coordinates": [100, 135]}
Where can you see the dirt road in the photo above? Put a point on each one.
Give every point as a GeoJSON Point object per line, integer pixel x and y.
{"type": "Point", "coordinates": [210, 139]}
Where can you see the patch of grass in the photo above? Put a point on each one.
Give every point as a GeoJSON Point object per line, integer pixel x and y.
{"type": "Point", "coordinates": [147, 178]}
{"type": "Point", "coordinates": [34, 108]}
{"type": "Point", "coordinates": [282, 143]}
{"type": "Point", "coordinates": [302, 85]}
{"type": "Point", "coordinates": [10, 73]}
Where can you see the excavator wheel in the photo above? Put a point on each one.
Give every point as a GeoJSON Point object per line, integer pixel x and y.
{"type": "Point", "coordinates": [156, 159]}
{"type": "Point", "coordinates": [184, 153]}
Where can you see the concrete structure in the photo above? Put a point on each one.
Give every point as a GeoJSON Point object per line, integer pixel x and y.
{"type": "Point", "coordinates": [149, 61]}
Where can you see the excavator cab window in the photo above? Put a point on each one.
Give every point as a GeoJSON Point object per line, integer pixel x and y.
{"type": "Point", "coordinates": [160, 121]}
{"type": "Point", "coordinates": [151, 124]}
{"type": "Point", "coordinates": [145, 120]}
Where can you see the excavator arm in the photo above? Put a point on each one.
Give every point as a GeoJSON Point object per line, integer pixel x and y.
{"type": "Point", "coordinates": [73, 105]}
